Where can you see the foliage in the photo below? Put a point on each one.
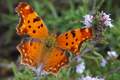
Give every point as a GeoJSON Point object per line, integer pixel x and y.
{"type": "Point", "coordinates": [61, 18]}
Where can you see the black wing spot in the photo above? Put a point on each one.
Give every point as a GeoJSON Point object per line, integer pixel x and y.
{"type": "Point", "coordinates": [66, 34]}
{"type": "Point", "coordinates": [41, 25]}
{"type": "Point", "coordinates": [36, 19]}
{"type": "Point", "coordinates": [76, 39]}
{"type": "Point", "coordinates": [28, 21]}
{"type": "Point", "coordinates": [66, 44]}
{"type": "Point", "coordinates": [61, 53]}
{"type": "Point", "coordinates": [29, 26]}
{"type": "Point", "coordinates": [72, 42]}
{"type": "Point", "coordinates": [66, 37]}
{"type": "Point", "coordinates": [38, 27]}
{"type": "Point", "coordinates": [34, 31]}
{"type": "Point", "coordinates": [56, 55]}
{"type": "Point", "coordinates": [73, 33]}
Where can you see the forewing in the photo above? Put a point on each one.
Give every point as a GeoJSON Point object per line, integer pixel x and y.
{"type": "Point", "coordinates": [72, 39]}
{"type": "Point", "coordinates": [30, 23]}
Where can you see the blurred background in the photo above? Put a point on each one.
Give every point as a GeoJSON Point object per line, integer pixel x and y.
{"type": "Point", "coordinates": [59, 16]}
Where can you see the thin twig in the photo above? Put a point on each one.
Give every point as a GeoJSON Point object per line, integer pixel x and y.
{"type": "Point", "coordinates": [8, 66]}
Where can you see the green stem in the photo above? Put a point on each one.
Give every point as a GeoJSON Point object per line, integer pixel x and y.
{"type": "Point", "coordinates": [52, 8]}
{"type": "Point", "coordinates": [94, 5]}
{"type": "Point", "coordinates": [99, 5]}
{"type": "Point", "coordinates": [71, 5]}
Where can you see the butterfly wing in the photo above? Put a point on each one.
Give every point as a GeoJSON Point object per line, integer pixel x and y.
{"type": "Point", "coordinates": [55, 60]}
{"type": "Point", "coordinates": [30, 23]}
{"type": "Point", "coordinates": [71, 40]}
{"type": "Point", "coordinates": [31, 52]}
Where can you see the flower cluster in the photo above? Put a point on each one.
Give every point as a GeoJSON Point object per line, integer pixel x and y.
{"type": "Point", "coordinates": [110, 55]}
{"type": "Point", "coordinates": [90, 78]}
{"type": "Point", "coordinates": [104, 18]}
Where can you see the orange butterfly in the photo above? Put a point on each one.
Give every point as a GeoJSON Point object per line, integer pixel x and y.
{"type": "Point", "coordinates": [42, 47]}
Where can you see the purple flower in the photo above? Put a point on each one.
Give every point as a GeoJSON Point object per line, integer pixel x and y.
{"type": "Point", "coordinates": [88, 20]}
{"type": "Point", "coordinates": [105, 18]}
{"type": "Point", "coordinates": [81, 66]}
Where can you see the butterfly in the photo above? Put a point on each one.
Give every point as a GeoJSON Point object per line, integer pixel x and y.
{"type": "Point", "coordinates": [44, 48]}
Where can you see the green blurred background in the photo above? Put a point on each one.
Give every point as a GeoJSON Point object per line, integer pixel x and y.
{"type": "Point", "coordinates": [59, 16]}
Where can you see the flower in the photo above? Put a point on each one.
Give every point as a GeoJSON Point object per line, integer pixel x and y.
{"type": "Point", "coordinates": [105, 18]}
{"type": "Point", "coordinates": [88, 20]}
{"type": "Point", "coordinates": [90, 78]}
{"type": "Point", "coordinates": [103, 62]}
{"type": "Point", "coordinates": [80, 67]}
{"type": "Point", "coordinates": [112, 54]}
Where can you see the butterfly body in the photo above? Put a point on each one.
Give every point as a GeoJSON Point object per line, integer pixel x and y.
{"type": "Point", "coordinates": [50, 42]}
{"type": "Point", "coordinates": [42, 47]}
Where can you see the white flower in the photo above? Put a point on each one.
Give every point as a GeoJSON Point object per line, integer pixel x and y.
{"type": "Point", "coordinates": [80, 67]}
{"type": "Point", "coordinates": [112, 54]}
{"type": "Point", "coordinates": [103, 62]}
{"type": "Point", "coordinates": [88, 20]}
{"type": "Point", "coordinates": [105, 18]}
{"type": "Point", "coordinates": [39, 70]}
{"type": "Point", "coordinates": [90, 78]}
